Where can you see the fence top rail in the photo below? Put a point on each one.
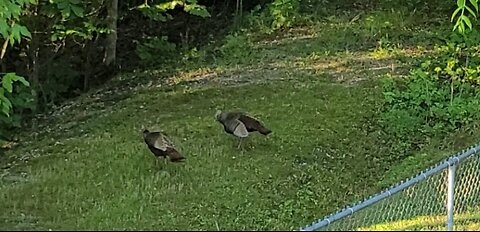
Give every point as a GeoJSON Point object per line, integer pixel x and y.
{"type": "Point", "coordinates": [432, 170]}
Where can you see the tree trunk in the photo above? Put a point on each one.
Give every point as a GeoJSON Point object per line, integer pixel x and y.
{"type": "Point", "coordinates": [111, 42]}
{"type": "Point", "coordinates": [87, 68]}
{"type": "Point", "coordinates": [34, 69]}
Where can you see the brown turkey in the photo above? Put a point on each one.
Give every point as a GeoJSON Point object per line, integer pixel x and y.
{"type": "Point", "coordinates": [161, 146]}
{"type": "Point", "coordinates": [240, 124]}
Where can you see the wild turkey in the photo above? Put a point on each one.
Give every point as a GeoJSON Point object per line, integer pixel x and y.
{"type": "Point", "coordinates": [239, 124]}
{"type": "Point", "coordinates": [160, 145]}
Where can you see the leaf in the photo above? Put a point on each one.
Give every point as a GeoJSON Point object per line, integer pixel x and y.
{"type": "Point", "coordinates": [6, 104]}
{"type": "Point", "coordinates": [24, 31]}
{"type": "Point", "coordinates": [197, 10]}
{"type": "Point", "coordinates": [21, 79]}
{"type": "Point", "coordinates": [467, 21]}
{"type": "Point", "coordinates": [20, 2]}
{"type": "Point", "coordinates": [168, 5]}
{"type": "Point", "coordinates": [461, 27]}
{"type": "Point", "coordinates": [4, 29]}
{"type": "Point", "coordinates": [15, 10]}
{"type": "Point", "coordinates": [461, 3]}
{"type": "Point", "coordinates": [475, 4]}
{"type": "Point", "coordinates": [78, 11]}
{"type": "Point", "coordinates": [62, 5]}
{"type": "Point", "coordinates": [456, 25]}
{"type": "Point", "coordinates": [65, 12]}
{"type": "Point", "coordinates": [54, 37]}
{"type": "Point", "coordinates": [7, 82]}
{"type": "Point", "coordinates": [15, 34]}
{"type": "Point", "coordinates": [71, 32]}
{"type": "Point", "coordinates": [5, 111]}
{"type": "Point", "coordinates": [454, 13]}
{"type": "Point", "coordinates": [471, 11]}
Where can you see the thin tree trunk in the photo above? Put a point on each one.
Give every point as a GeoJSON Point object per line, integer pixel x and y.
{"type": "Point", "coordinates": [35, 72]}
{"type": "Point", "coordinates": [241, 9]}
{"type": "Point", "coordinates": [111, 46]}
{"type": "Point", "coordinates": [87, 68]}
{"type": "Point", "coordinates": [236, 8]}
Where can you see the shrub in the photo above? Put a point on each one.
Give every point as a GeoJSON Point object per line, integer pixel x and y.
{"type": "Point", "coordinates": [438, 97]}
{"type": "Point", "coordinates": [236, 49]}
{"type": "Point", "coordinates": [15, 95]}
{"type": "Point", "coordinates": [156, 51]}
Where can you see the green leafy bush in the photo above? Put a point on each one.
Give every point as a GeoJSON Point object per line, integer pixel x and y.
{"type": "Point", "coordinates": [159, 11]}
{"type": "Point", "coordinates": [284, 13]}
{"type": "Point", "coordinates": [276, 15]}
{"type": "Point", "coordinates": [438, 97]}
{"type": "Point", "coordinates": [15, 95]}
{"type": "Point", "coordinates": [156, 51]}
{"type": "Point", "coordinates": [236, 49]}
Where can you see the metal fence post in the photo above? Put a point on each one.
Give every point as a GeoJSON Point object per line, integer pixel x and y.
{"type": "Point", "coordinates": [450, 196]}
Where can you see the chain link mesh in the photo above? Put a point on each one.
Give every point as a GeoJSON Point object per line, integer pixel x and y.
{"type": "Point", "coordinates": [467, 195]}
{"type": "Point", "coordinates": [423, 206]}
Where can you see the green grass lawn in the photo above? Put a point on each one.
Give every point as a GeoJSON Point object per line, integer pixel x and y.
{"type": "Point", "coordinates": [86, 166]}
{"type": "Point", "coordinates": [105, 177]}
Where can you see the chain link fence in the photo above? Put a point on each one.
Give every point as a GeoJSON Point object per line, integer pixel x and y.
{"type": "Point", "coordinates": [443, 197]}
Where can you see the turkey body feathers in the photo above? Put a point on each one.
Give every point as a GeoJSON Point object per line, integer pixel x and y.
{"type": "Point", "coordinates": [160, 145]}
{"type": "Point", "coordinates": [254, 125]}
{"type": "Point", "coordinates": [235, 127]}
{"type": "Point", "coordinates": [240, 124]}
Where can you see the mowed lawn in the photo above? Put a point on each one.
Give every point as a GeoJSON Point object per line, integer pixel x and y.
{"type": "Point", "coordinates": [101, 176]}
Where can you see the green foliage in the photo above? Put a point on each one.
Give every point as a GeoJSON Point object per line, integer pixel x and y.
{"type": "Point", "coordinates": [440, 96]}
{"type": "Point", "coordinates": [259, 20]}
{"type": "Point", "coordinates": [7, 88]}
{"type": "Point", "coordinates": [70, 8]}
{"type": "Point", "coordinates": [192, 7]}
{"type": "Point", "coordinates": [72, 28]}
{"type": "Point", "coordinates": [432, 7]}
{"type": "Point", "coordinates": [462, 18]}
{"type": "Point", "coordinates": [237, 49]}
{"type": "Point", "coordinates": [157, 51]}
{"type": "Point", "coordinates": [277, 15]}
{"type": "Point", "coordinates": [75, 21]}
{"type": "Point", "coordinates": [15, 95]}
{"type": "Point", "coordinates": [382, 23]}
{"type": "Point", "coordinates": [158, 11]}
{"type": "Point", "coordinates": [85, 32]}
{"type": "Point", "coordinates": [284, 13]}
{"type": "Point", "coordinates": [10, 28]}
